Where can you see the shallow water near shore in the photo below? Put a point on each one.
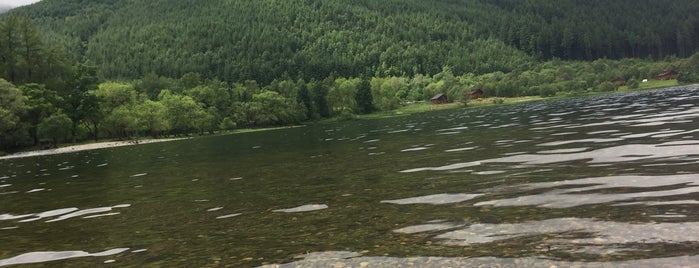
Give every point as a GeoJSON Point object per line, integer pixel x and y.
{"type": "Point", "coordinates": [597, 181]}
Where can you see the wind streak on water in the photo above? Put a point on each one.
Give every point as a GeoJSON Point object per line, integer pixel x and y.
{"type": "Point", "coordinates": [606, 233]}
{"type": "Point", "coordinates": [64, 214]}
{"type": "Point", "coordinates": [354, 259]}
{"type": "Point", "coordinates": [585, 192]}
{"type": "Point", "coordinates": [615, 154]}
{"type": "Point", "coordinates": [46, 256]}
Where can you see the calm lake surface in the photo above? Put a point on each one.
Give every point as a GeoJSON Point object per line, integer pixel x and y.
{"type": "Point", "coordinates": [595, 182]}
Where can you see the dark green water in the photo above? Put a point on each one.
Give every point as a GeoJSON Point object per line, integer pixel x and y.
{"type": "Point", "coordinates": [602, 181]}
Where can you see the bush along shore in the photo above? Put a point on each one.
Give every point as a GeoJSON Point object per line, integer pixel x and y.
{"type": "Point", "coordinates": [35, 116]}
{"type": "Point", "coordinates": [404, 109]}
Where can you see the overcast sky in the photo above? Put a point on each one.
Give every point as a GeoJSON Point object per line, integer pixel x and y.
{"type": "Point", "coordinates": [16, 3]}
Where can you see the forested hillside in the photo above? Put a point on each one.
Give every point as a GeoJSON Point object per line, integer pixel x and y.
{"type": "Point", "coordinates": [73, 70]}
{"type": "Point", "coordinates": [267, 39]}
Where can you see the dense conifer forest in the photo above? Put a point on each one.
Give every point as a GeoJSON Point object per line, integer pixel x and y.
{"type": "Point", "coordinates": [76, 69]}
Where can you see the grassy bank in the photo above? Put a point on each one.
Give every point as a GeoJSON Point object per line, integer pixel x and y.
{"type": "Point", "coordinates": [651, 84]}
{"type": "Point", "coordinates": [421, 107]}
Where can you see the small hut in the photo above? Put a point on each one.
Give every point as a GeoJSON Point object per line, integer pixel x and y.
{"type": "Point", "coordinates": [619, 82]}
{"type": "Point", "coordinates": [476, 93]}
{"type": "Point", "coordinates": [672, 74]}
{"type": "Point", "coordinates": [440, 98]}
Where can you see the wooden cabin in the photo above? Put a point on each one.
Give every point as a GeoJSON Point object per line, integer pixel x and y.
{"type": "Point", "coordinates": [440, 98]}
{"type": "Point", "coordinates": [476, 93]}
{"type": "Point", "coordinates": [619, 82]}
{"type": "Point", "coordinates": [672, 74]}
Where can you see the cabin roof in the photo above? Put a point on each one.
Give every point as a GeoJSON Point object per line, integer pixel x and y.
{"type": "Point", "coordinates": [438, 96]}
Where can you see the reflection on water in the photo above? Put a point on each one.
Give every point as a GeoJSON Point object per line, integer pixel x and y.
{"type": "Point", "coordinates": [622, 153]}
{"type": "Point", "coordinates": [435, 199]}
{"type": "Point", "coordinates": [564, 194]}
{"type": "Point", "coordinates": [45, 256]}
{"type": "Point", "coordinates": [304, 208]}
{"type": "Point", "coordinates": [353, 259]}
{"type": "Point", "coordinates": [64, 213]}
{"type": "Point", "coordinates": [592, 182]}
{"type": "Point", "coordinates": [565, 232]}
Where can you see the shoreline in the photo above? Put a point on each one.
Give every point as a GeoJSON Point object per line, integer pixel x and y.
{"type": "Point", "coordinates": [113, 144]}
{"type": "Point", "coordinates": [488, 102]}
{"type": "Point", "coordinates": [83, 147]}
{"type": "Point", "coordinates": [398, 112]}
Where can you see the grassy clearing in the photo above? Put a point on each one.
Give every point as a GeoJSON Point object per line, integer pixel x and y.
{"type": "Point", "coordinates": [651, 84]}
{"type": "Point", "coordinates": [421, 107]}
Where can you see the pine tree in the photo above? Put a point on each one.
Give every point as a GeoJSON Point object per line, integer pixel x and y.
{"type": "Point", "coordinates": [303, 98]}
{"type": "Point", "coordinates": [365, 102]}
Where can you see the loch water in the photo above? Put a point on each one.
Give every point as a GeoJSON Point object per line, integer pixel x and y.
{"type": "Point", "coordinates": [591, 182]}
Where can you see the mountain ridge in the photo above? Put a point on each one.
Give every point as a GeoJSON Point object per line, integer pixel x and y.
{"type": "Point", "coordinates": [267, 39]}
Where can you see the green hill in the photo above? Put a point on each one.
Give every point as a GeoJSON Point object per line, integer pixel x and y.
{"type": "Point", "coordinates": [267, 39]}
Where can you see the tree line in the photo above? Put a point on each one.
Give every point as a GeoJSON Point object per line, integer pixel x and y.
{"type": "Point", "coordinates": [313, 39]}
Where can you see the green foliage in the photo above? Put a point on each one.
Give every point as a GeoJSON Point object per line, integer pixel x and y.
{"type": "Point", "coordinates": [121, 122]}
{"type": "Point", "coordinates": [152, 117]}
{"type": "Point", "coordinates": [690, 71]}
{"type": "Point", "coordinates": [183, 113]}
{"type": "Point", "coordinates": [363, 98]}
{"type": "Point", "coordinates": [545, 91]}
{"type": "Point", "coordinates": [304, 99]}
{"type": "Point", "coordinates": [633, 83]}
{"type": "Point", "coordinates": [272, 109]}
{"type": "Point", "coordinates": [41, 103]}
{"type": "Point", "coordinates": [151, 84]}
{"type": "Point", "coordinates": [24, 57]}
{"type": "Point", "coordinates": [227, 124]}
{"type": "Point", "coordinates": [341, 96]}
{"type": "Point", "coordinates": [12, 107]}
{"type": "Point", "coordinates": [79, 103]}
{"type": "Point", "coordinates": [385, 92]}
{"type": "Point", "coordinates": [112, 95]}
{"type": "Point", "coordinates": [346, 115]}
{"type": "Point", "coordinates": [319, 93]}
{"type": "Point", "coordinates": [56, 128]}
{"type": "Point", "coordinates": [606, 87]}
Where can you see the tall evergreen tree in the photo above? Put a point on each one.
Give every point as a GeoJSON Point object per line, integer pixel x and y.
{"type": "Point", "coordinates": [365, 102]}
{"type": "Point", "coordinates": [304, 98]}
{"type": "Point", "coordinates": [80, 105]}
{"type": "Point", "coordinates": [320, 99]}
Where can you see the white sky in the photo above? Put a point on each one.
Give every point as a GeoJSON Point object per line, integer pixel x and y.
{"type": "Point", "coordinates": [16, 3]}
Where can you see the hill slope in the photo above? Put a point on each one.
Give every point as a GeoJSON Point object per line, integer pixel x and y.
{"type": "Point", "coordinates": [267, 39]}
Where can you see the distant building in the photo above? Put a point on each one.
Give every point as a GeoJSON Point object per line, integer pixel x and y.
{"type": "Point", "coordinates": [476, 93]}
{"type": "Point", "coordinates": [619, 82]}
{"type": "Point", "coordinates": [672, 74]}
{"type": "Point", "coordinates": [440, 98]}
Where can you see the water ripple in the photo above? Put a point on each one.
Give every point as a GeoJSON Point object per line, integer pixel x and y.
{"type": "Point", "coordinates": [583, 191]}
{"type": "Point", "coordinates": [354, 259]}
{"type": "Point", "coordinates": [46, 256]}
{"type": "Point", "coordinates": [63, 213]}
{"type": "Point", "coordinates": [599, 232]}
{"type": "Point", "coordinates": [304, 208]}
{"type": "Point", "coordinates": [435, 199]}
{"type": "Point", "coordinates": [615, 154]}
